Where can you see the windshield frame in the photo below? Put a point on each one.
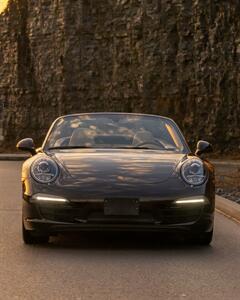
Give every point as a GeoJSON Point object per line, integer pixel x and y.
{"type": "Point", "coordinates": [185, 150]}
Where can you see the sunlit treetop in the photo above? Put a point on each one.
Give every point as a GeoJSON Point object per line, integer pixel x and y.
{"type": "Point", "coordinates": [3, 5]}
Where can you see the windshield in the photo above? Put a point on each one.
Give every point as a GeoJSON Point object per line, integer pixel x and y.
{"type": "Point", "coordinates": [115, 131]}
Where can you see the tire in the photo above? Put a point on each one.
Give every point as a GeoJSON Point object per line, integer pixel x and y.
{"type": "Point", "coordinates": [204, 238]}
{"type": "Point", "coordinates": [30, 239]}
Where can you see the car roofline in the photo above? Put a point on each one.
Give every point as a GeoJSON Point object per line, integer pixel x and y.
{"type": "Point", "coordinates": [113, 113]}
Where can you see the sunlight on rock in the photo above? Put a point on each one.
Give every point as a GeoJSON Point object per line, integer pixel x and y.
{"type": "Point", "coordinates": [3, 5]}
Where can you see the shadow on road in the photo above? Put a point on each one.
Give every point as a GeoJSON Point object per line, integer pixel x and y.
{"type": "Point", "coordinates": [122, 241]}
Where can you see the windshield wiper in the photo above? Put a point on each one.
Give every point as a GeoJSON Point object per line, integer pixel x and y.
{"type": "Point", "coordinates": [135, 147]}
{"type": "Point", "coordinates": [148, 148]}
{"type": "Point", "coordinates": [69, 147]}
{"type": "Point", "coordinates": [88, 147]}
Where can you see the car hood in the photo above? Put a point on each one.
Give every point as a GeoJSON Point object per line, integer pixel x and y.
{"type": "Point", "coordinates": [95, 172]}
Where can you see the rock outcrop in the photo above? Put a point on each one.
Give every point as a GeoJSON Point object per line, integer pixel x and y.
{"type": "Point", "coordinates": [179, 58]}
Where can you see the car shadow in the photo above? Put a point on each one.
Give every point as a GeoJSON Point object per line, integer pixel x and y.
{"type": "Point", "coordinates": [122, 241]}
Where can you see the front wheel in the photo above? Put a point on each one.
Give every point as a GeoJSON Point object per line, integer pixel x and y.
{"type": "Point", "coordinates": [204, 238]}
{"type": "Point", "coordinates": [29, 238]}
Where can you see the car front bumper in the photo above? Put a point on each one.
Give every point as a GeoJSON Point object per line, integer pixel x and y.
{"type": "Point", "coordinates": [162, 215]}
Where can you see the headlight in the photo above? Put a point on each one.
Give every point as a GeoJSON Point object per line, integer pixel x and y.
{"type": "Point", "coordinates": [44, 170]}
{"type": "Point", "coordinates": [193, 171]}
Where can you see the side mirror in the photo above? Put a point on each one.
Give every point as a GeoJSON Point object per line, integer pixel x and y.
{"type": "Point", "coordinates": [27, 145]}
{"type": "Point", "coordinates": [203, 147]}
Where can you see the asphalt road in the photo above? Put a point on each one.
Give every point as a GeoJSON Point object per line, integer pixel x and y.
{"type": "Point", "coordinates": [112, 266]}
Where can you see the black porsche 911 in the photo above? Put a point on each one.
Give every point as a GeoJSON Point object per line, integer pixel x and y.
{"type": "Point", "coordinates": [116, 171]}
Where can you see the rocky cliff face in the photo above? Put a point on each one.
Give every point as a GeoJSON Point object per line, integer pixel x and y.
{"type": "Point", "coordinates": [179, 58]}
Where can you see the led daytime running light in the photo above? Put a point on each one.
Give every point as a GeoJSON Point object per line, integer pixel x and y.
{"type": "Point", "coordinates": [49, 198]}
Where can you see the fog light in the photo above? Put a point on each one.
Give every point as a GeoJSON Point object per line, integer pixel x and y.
{"type": "Point", "coordinates": [191, 200]}
{"type": "Point", "coordinates": [48, 198]}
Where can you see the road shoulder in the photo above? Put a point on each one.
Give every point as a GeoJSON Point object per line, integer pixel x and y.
{"type": "Point", "coordinates": [228, 208]}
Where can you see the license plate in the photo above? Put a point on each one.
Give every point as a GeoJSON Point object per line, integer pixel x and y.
{"type": "Point", "coordinates": [121, 207]}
